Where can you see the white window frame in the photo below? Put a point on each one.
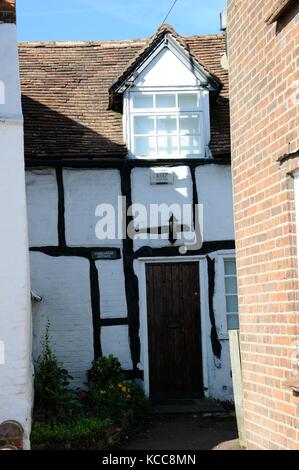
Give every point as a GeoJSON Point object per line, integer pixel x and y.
{"type": "Point", "coordinates": [224, 259]}
{"type": "Point", "coordinates": [202, 111]}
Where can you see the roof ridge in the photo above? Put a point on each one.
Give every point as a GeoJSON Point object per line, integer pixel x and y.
{"type": "Point", "coordinates": [103, 43]}
{"type": "Point", "coordinates": [109, 42]}
{"type": "Point", "coordinates": [207, 36]}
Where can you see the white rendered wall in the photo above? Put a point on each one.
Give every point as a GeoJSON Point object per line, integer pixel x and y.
{"type": "Point", "coordinates": [10, 106]}
{"type": "Point", "coordinates": [115, 340]}
{"type": "Point", "coordinates": [42, 204]}
{"type": "Point", "coordinates": [219, 370]}
{"type": "Point", "coordinates": [166, 70]}
{"type": "Point", "coordinates": [84, 191]}
{"type": "Point", "coordinates": [181, 192]}
{"type": "Point", "coordinates": [15, 308]}
{"type": "Point", "coordinates": [214, 187]}
{"type": "Point", "coordinates": [63, 283]}
{"type": "Point", "coordinates": [113, 302]}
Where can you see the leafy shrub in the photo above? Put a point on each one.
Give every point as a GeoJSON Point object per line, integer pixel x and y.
{"type": "Point", "coordinates": [79, 430]}
{"type": "Point", "coordinates": [50, 382]}
{"type": "Point", "coordinates": [113, 397]}
{"type": "Point", "coordinates": [139, 403]}
{"type": "Point", "coordinates": [105, 371]}
{"type": "Point", "coordinates": [82, 419]}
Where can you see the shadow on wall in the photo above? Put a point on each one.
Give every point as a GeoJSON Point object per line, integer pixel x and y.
{"type": "Point", "coordinates": [285, 19]}
{"type": "Point", "coordinates": [50, 134]}
{"type": "Point", "coordinates": [220, 125]}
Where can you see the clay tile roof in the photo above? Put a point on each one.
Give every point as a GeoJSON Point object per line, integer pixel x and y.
{"type": "Point", "coordinates": [65, 94]}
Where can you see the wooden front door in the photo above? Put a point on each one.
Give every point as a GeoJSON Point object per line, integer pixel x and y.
{"type": "Point", "coordinates": [174, 336]}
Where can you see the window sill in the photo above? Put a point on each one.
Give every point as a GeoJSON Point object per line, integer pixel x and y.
{"type": "Point", "coordinates": [170, 157]}
{"type": "Point", "coordinates": [279, 10]}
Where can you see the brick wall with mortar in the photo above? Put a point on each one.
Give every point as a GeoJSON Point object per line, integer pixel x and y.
{"type": "Point", "coordinates": [264, 84]}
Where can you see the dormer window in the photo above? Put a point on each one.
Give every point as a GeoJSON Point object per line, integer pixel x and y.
{"type": "Point", "coordinates": [166, 124]}
{"type": "Point", "coordinates": [164, 95]}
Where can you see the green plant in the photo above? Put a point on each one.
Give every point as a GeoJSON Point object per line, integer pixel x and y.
{"type": "Point", "coordinates": [50, 382]}
{"type": "Point", "coordinates": [139, 403]}
{"type": "Point", "coordinates": [81, 419]}
{"type": "Point", "coordinates": [105, 371]}
{"type": "Point", "coordinates": [119, 401]}
{"type": "Point", "coordinates": [78, 429]}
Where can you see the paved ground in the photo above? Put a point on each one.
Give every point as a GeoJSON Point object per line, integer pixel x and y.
{"type": "Point", "coordinates": [184, 432]}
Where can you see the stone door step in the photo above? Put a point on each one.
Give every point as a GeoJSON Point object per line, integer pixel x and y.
{"type": "Point", "coordinates": [195, 406]}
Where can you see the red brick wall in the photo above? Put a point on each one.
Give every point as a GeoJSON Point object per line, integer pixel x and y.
{"type": "Point", "coordinates": [7, 11]}
{"type": "Point", "coordinates": [264, 87]}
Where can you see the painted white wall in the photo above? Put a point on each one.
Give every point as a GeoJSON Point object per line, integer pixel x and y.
{"type": "Point", "coordinates": [166, 70]}
{"type": "Point", "coordinates": [115, 340]}
{"type": "Point", "coordinates": [84, 191]}
{"type": "Point", "coordinates": [214, 190]}
{"type": "Point", "coordinates": [63, 283]}
{"type": "Point", "coordinates": [15, 308]}
{"type": "Point", "coordinates": [113, 303]}
{"type": "Point", "coordinates": [10, 106]}
{"type": "Point", "coordinates": [42, 206]}
{"type": "Point", "coordinates": [144, 193]}
{"type": "Point", "coordinates": [219, 370]}
{"type": "Point", "coordinates": [214, 187]}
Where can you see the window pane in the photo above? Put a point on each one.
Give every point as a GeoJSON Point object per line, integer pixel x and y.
{"type": "Point", "coordinates": [188, 101]}
{"type": "Point", "coordinates": [167, 145]}
{"type": "Point", "coordinates": [165, 101]}
{"type": "Point", "coordinates": [144, 125]}
{"type": "Point", "coordinates": [231, 285]}
{"type": "Point", "coordinates": [189, 124]}
{"type": "Point", "coordinates": [232, 304]}
{"type": "Point", "coordinates": [166, 125]}
{"type": "Point", "coordinates": [145, 146]}
{"type": "Point", "coordinates": [143, 101]}
{"type": "Point", "coordinates": [190, 144]}
{"type": "Point", "coordinates": [230, 267]}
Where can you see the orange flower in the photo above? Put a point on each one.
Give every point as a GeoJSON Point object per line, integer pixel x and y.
{"type": "Point", "coordinates": [83, 394]}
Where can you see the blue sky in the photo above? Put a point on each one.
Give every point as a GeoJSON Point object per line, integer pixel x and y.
{"type": "Point", "coordinates": [112, 19]}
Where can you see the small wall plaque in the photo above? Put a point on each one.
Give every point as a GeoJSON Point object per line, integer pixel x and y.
{"type": "Point", "coordinates": [106, 253]}
{"type": "Point", "coordinates": [161, 176]}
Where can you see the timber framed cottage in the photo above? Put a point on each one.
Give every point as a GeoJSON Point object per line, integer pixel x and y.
{"type": "Point", "coordinates": [148, 121]}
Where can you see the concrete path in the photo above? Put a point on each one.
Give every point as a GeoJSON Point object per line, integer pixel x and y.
{"type": "Point", "coordinates": [184, 432]}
